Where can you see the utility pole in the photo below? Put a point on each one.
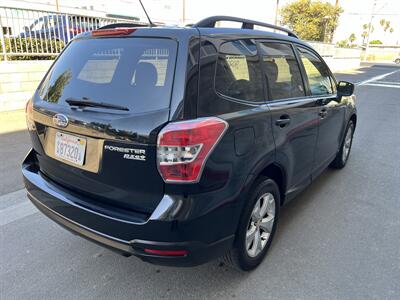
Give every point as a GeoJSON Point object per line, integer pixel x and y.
{"type": "Point", "coordinates": [276, 12]}
{"type": "Point", "coordinates": [183, 12]}
{"type": "Point", "coordinates": [369, 28]}
{"type": "Point", "coordinates": [57, 7]}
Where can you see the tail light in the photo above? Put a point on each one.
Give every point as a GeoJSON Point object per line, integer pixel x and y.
{"type": "Point", "coordinates": [183, 148]}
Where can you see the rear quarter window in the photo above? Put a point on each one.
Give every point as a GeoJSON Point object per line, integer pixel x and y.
{"type": "Point", "coordinates": [238, 73]}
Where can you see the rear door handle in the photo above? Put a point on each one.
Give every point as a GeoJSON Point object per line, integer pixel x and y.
{"type": "Point", "coordinates": [282, 121]}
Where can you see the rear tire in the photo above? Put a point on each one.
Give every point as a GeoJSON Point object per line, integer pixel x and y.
{"type": "Point", "coordinates": [397, 61]}
{"type": "Point", "coordinates": [257, 226]}
{"type": "Point", "coordinates": [343, 155]}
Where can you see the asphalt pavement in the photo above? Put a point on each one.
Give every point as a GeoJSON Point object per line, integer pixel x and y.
{"type": "Point", "coordinates": [340, 239]}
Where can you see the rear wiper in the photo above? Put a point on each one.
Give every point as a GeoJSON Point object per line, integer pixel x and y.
{"type": "Point", "coordinates": [85, 102]}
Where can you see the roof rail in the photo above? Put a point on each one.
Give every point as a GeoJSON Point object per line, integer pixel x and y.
{"type": "Point", "coordinates": [246, 24]}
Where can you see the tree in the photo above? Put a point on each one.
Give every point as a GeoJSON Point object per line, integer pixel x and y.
{"type": "Point", "coordinates": [386, 25]}
{"type": "Point", "coordinates": [366, 32]}
{"type": "Point", "coordinates": [343, 43]}
{"type": "Point", "coordinates": [311, 20]}
{"type": "Point", "coordinates": [352, 38]}
{"type": "Point", "coordinates": [348, 43]}
{"type": "Point", "coordinates": [375, 42]}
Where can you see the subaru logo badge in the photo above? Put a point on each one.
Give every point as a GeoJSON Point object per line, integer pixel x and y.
{"type": "Point", "coordinates": [60, 120]}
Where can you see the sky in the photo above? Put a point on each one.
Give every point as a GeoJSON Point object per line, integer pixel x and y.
{"type": "Point", "coordinates": [356, 12]}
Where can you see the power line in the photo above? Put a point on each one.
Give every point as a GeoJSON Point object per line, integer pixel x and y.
{"type": "Point", "coordinates": [368, 14]}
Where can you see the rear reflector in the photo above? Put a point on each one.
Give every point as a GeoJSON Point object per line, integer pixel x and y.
{"type": "Point", "coordinates": [113, 31]}
{"type": "Point", "coordinates": [183, 148]}
{"type": "Point", "coordinates": [167, 252]}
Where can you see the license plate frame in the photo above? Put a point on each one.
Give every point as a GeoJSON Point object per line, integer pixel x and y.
{"type": "Point", "coordinates": [70, 148]}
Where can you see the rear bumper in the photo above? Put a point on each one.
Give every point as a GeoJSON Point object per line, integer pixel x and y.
{"type": "Point", "coordinates": [129, 236]}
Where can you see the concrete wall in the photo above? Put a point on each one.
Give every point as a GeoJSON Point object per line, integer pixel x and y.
{"type": "Point", "coordinates": [19, 80]}
{"type": "Point", "coordinates": [338, 59]}
{"type": "Point", "coordinates": [381, 53]}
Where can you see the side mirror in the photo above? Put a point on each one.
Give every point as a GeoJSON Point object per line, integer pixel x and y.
{"type": "Point", "coordinates": [345, 88]}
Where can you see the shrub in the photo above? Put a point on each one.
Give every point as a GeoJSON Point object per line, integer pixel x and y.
{"type": "Point", "coordinates": [375, 42]}
{"type": "Point", "coordinates": [30, 45]}
{"type": "Point", "coordinates": [343, 43]}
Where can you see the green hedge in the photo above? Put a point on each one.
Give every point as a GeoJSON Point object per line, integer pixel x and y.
{"type": "Point", "coordinates": [17, 45]}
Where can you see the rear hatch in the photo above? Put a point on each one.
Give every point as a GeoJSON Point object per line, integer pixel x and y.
{"type": "Point", "coordinates": [97, 114]}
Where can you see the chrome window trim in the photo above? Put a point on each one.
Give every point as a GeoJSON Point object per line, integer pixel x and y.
{"type": "Point", "coordinates": [301, 99]}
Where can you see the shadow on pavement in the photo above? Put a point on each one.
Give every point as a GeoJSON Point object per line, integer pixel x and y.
{"type": "Point", "coordinates": [14, 147]}
{"type": "Point", "coordinates": [366, 71]}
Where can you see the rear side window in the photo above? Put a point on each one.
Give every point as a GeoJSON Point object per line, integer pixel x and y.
{"type": "Point", "coordinates": [133, 72]}
{"type": "Point", "coordinates": [238, 73]}
{"type": "Point", "coordinates": [282, 71]}
{"type": "Point", "coordinates": [318, 75]}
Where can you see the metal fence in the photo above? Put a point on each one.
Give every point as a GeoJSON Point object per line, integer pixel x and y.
{"type": "Point", "coordinates": [39, 34]}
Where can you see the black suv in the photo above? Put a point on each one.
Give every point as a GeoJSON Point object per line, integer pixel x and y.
{"type": "Point", "coordinates": [180, 145]}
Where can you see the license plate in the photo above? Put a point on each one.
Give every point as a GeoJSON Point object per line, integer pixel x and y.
{"type": "Point", "coordinates": [70, 147]}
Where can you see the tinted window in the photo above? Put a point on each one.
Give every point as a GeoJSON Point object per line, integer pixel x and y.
{"type": "Point", "coordinates": [132, 72]}
{"type": "Point", "coordinates": [282, 71]}
{"type": "Point", "coordinates": [317, 73]}
{"type": "Point", "coordinates": [238, 72]}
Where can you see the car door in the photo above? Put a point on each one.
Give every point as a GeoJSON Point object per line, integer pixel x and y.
{"type": "Point", "coordinates": [322, 87]}
{"type": "Point", "coordinates": [294, 116]}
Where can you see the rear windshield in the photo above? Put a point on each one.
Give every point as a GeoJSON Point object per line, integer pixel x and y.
{"type": "Point", "coordinates": [136, 73]}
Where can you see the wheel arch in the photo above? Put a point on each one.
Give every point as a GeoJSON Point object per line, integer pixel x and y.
{"type": "Point", "coordinates": [354, 119]}
{"type": "Point", "coordinates": [275, 172]}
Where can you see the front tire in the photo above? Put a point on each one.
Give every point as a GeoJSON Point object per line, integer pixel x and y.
{"type": "Point", "coordinates": [343, 155]}
{"type": "Point", "coordinates": [397, 61]}
{"type": "Point", "coordinates": [257, 226]}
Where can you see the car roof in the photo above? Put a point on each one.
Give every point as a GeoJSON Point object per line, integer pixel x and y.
{"type": "Point", "coordinates": [206, 27]}
{"type": "Point", "coordinates": [220, 32]}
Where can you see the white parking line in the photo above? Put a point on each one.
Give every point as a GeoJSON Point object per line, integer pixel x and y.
{"type": "Point", "coordinates": [383, 85]}
{"type": "Point", "coordinates": [376, 78]}
{"type": "Point", "coordinates": [17, 211]}
{"type": "Point", "coordinates": [389, 82]}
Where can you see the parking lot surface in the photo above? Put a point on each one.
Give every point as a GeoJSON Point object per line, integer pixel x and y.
{"type": "Point", "coordinates": [340, 239]}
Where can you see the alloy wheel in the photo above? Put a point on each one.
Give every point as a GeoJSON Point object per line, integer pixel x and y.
{"type": "Point", "coordinates": [260, 224]}
{"type": "Point", "coordinates": [347, 144]}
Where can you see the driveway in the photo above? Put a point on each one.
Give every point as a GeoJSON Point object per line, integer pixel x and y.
{"type": "Point", "coordinates": [340, 239]}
